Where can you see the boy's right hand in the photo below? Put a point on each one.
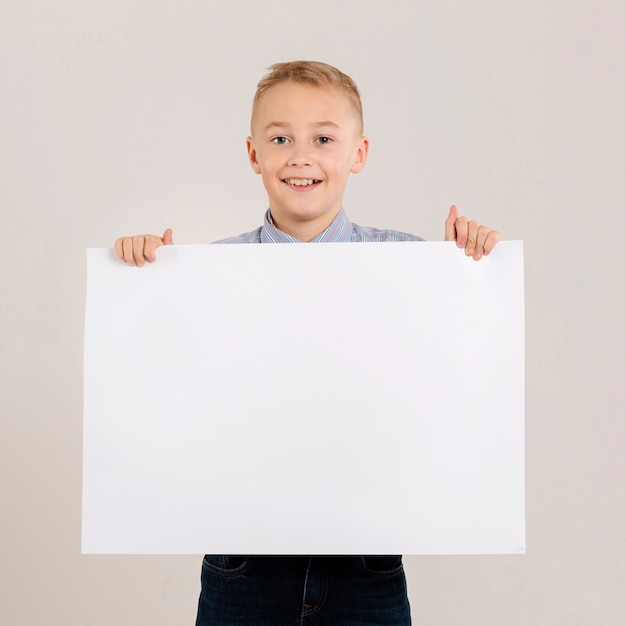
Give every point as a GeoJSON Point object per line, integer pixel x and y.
{"type": "Point", "coordinates": [141, 248]}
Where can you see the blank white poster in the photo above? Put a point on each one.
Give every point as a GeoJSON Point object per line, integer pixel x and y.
{"type": "Point", "coordinates": [305, 399]}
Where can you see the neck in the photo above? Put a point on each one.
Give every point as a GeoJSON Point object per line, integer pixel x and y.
{"type": "Point", "coordinates": [304, 231]}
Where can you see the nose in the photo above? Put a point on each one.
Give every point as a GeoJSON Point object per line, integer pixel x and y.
{"type": "Point", "coordinates": [300, 155]}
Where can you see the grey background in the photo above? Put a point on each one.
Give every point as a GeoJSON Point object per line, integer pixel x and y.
{"type": "Point", "coordinates": [130, 116]}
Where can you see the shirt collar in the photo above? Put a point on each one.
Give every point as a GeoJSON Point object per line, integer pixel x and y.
{"type": "Point", "coordinates": [340, 230]}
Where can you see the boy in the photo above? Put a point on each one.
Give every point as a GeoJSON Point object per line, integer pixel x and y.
{"type": "Point", "coordinates": [306, 138]}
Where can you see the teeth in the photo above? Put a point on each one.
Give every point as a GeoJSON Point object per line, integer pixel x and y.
{"type": "Point", "coordinates": [300, 181]}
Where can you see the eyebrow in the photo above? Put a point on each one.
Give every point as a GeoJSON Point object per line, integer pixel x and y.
{"type": "Point", "coordinates": [325, 124]}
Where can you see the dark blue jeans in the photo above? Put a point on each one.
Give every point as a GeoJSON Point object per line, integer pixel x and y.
{"type": "Point", "coordinates": [303, 591]}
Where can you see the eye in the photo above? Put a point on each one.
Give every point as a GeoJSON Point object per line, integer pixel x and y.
{"type": "Point", "coordinates": [279, 141]}
{"type": "Point", "coordinates": [324, 140]}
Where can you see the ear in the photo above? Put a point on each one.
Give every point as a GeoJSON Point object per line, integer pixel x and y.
{"type": "Point", "coordinates": [252, 155]}
{"type": "Point", "coordinates": [361, 155]}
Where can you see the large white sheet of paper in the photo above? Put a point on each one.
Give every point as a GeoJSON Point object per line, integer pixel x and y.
{"type": "Point", "coordinates": [305, 399]}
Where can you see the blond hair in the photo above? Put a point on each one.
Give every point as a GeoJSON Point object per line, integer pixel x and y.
{"type": "Point", "coordinates": [312, 73]}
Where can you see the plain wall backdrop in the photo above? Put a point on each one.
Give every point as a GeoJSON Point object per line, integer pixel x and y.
{"type": "Point", "coordinates": [130, 116]}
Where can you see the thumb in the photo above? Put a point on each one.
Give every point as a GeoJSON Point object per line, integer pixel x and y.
{"type": "Point", "coordinates": [167, 237]}
{"type": "Point", "coordinates": [450, 224]}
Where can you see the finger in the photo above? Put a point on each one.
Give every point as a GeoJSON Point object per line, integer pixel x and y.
{"type": "Point", "coordinates": [138, 250]}
{"type": "Point", "coordinates": [167, 237]}
{"type": "Point", "coordinates": [151, 243]}
{"type": "Point", "coordinates": [450, 221]}
{"type": "Point", "coordinates": [472, 235]}
{"type": "Point", "coordinates": [462, 231]}
{"type": "Point", "coordinates": [127, 248]}
{"type": "Point", "coordinates": [481, 239]}
{"type": "Point", "coordinates": [492, 239]}
{"type": "Point", "coordinates": [119, 249]}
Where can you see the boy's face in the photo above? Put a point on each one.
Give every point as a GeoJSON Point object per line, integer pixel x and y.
{"type": "Point", "coordinates": [305, 142]}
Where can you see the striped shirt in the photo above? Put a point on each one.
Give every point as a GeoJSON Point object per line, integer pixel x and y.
{"type": "Point", "coordinates": [340, 230]}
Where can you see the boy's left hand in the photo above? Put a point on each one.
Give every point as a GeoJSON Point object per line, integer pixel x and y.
{"type": "Point", "coordinates": [477, 240]}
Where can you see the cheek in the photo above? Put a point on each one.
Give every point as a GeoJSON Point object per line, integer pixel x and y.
{"type": "Point", "coordinates": [268, 164]}
{"type": "Point", "coordinates": [342, 170]}
{"type": "Point", "coordinates": [269, 178]}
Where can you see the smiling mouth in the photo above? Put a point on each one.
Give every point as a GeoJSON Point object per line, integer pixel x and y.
{"type": "Point", "coordinates": [301, 182]}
